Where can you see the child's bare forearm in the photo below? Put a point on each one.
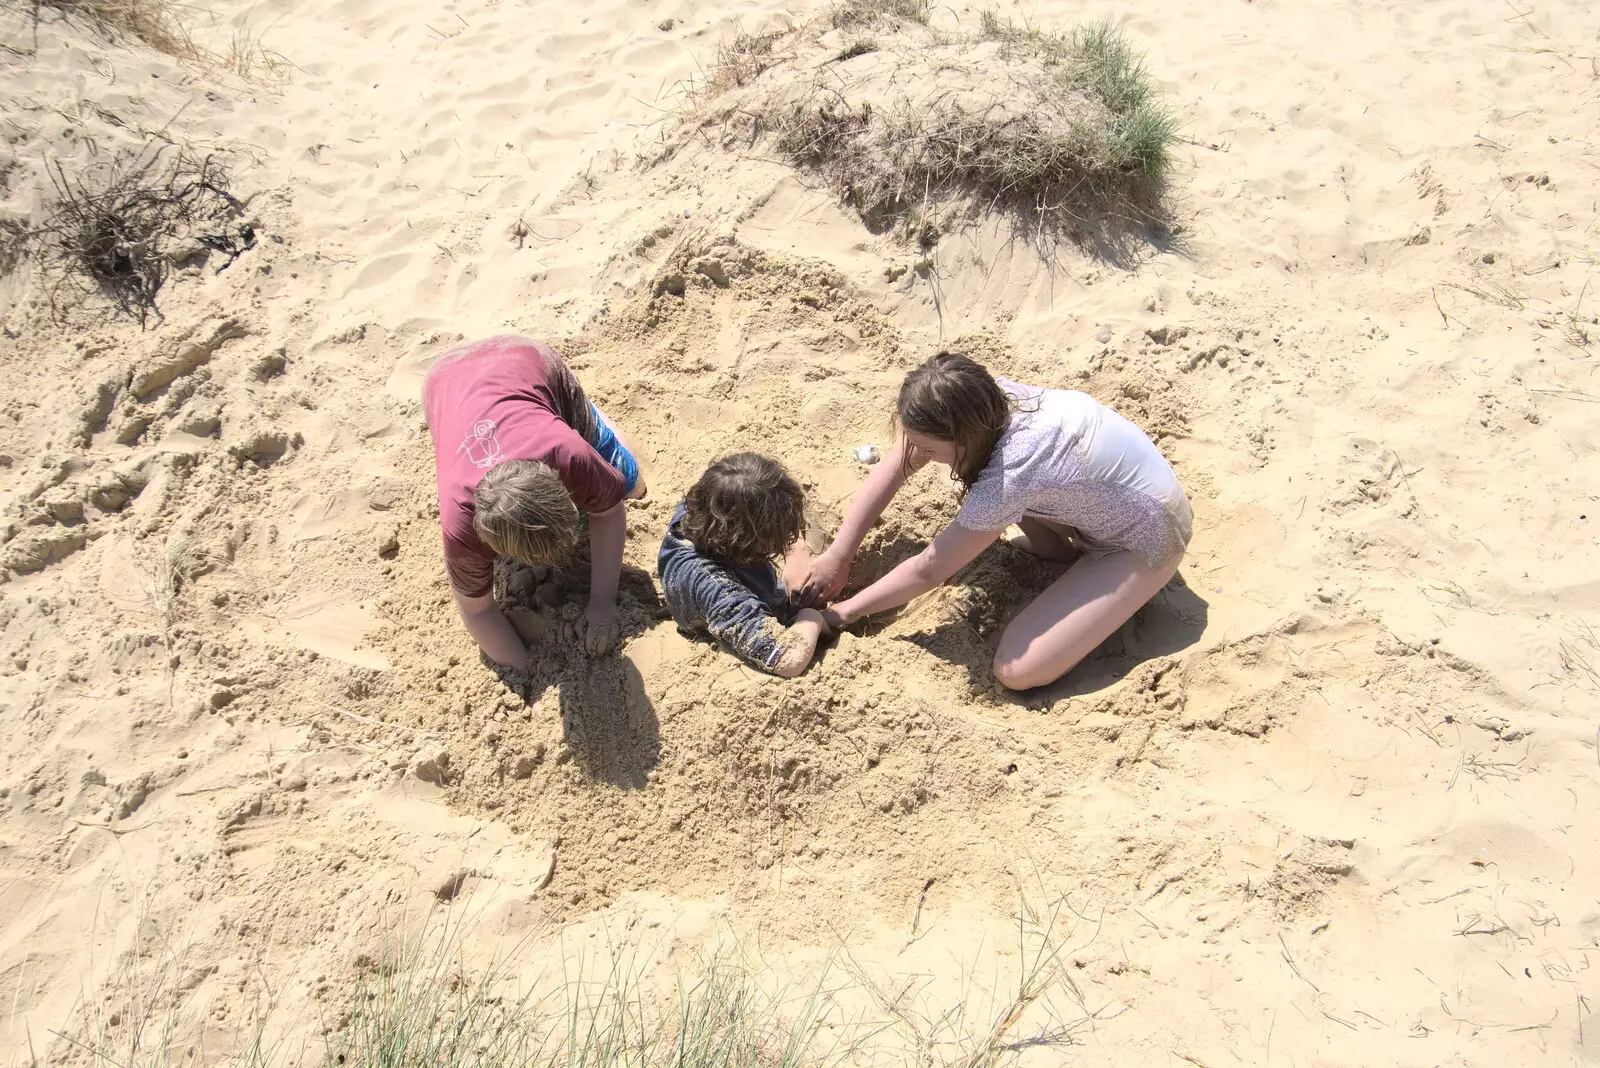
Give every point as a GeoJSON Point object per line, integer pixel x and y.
{"type": "Point", "coordinates": [607, 533]}
{"type": "Point", "coordinates": [800, 644]}
{"type": "Point", "coordinates": [491, 629]}
{"type": "Point", "coordinates": [953, 549]}
{"type": "Point", "coordinates": [911, 579]}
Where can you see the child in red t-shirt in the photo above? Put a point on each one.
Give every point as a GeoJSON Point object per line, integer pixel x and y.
{"type": "Point", "coordinates": [518, 452]}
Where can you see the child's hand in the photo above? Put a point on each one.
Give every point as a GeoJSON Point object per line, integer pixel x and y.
{"type": "Point", "coordinates": [601, 628]}
{"type": "Point", "coordinates": [833, 620]}
{"type": "Point", "coordinates": [824, 579]}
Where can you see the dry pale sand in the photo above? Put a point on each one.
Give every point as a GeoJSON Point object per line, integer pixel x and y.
{"type": "Point", "coordinates": [1332, 801]}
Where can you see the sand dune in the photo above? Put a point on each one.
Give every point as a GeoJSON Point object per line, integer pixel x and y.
{"type": "Point", "coordinates": [1327, 801]}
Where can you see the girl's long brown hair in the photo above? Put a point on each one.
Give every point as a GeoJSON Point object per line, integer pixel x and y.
{"type": "Point", "coordinates": [955, 399]}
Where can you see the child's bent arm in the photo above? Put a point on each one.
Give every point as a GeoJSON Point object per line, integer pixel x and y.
{"type": "Point", "coordinates": [800, 643]}
{"type": "Point", "coordinates": [491, 630]}
{"type": "Point", "coordinates": [953, 549]}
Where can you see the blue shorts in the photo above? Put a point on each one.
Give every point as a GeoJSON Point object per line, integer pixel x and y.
{"type": "Point", "coordinates": [611, 450]}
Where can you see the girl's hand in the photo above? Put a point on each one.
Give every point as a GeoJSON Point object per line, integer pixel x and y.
{"type": "Point", "coordinates": [833, 620]}
{"type": "Point", "coordinates": [824, 579]}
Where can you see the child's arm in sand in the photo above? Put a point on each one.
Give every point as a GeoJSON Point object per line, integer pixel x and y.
{"type": "Point", "coordinates": [799, 643]}
{"type": "Point", "coordinates": [796, 568]}
{"type": "Point", "coordinates": [953, 549]}
{"type": "Point", "coordinates": [608, 531]}
{"type": "Point", "coordinates": [491, 629]}
{"type": "Point", "coordinates": [831, 568]}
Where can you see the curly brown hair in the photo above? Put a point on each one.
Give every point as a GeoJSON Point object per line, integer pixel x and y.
{"type": "Point", "coordinates": [955, 399]}
{"type": "Point", "coordinates": [745, 509]}
{"type": "Point", "coordinates": [520, 509]}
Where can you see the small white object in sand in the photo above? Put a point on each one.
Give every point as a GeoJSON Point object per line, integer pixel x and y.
{"type": "Point", "coordinates": [865, 454]}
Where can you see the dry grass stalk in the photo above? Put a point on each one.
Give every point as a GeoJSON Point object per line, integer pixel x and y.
{"type": "Point", "coordinates": [855, 14]}
{"type": "Point", "coordinates": [150, 21]}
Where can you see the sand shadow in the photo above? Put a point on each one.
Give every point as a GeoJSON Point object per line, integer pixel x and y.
{"type": "Point", "coordinates": [610, 722]}
{"type": "Point", "coordinates": [605, 715]}
{"type": "Point", "coordinates": [1173, 620]}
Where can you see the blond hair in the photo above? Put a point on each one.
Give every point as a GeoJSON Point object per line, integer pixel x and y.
{"type": "Point", "coordinates": [521, 510]}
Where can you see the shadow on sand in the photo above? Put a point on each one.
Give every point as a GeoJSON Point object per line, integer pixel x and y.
{"type": "Point", "coordinates": [610, 723]}
{"type": "Point", "coordinates": [1170, 622]}
{"type": "Point", "coordinates": [606, 716]}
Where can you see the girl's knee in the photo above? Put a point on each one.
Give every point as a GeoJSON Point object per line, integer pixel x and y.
{"type": "Point", "coordinates": [1016, 669]}
{"type": "Point", "coordinates": [1010, 665]}
{"type": "Point", "coordinates": [1009, 673]}
{"type": "Point", "coordinates": [1015, 673]}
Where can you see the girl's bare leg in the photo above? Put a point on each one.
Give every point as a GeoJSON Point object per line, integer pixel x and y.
{"type": "Point", "coordinates": [1072, 616]}
{"type": "Point", "coordinates": [1044, 540]}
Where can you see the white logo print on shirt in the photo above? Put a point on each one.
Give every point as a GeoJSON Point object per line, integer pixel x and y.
{"type": "Point", "coordinates": [481, 445]}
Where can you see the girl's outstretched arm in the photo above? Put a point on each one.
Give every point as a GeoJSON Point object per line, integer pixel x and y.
{"type": "Point", "coordinates": [831, 568]}
{"type": "Point", "coordinates": [953, 549]}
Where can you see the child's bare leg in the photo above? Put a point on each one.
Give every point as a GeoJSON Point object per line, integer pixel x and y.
{"type": "Point", "coordinates": [1044, 540]}
{"type": "Point", "coordinates": [1073, 615]}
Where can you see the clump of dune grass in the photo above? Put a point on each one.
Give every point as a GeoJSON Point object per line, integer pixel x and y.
{"type": "Point", "coordinates": [1096, 59]}
{"type": "Point", "coordinates": [1065, 133]}
{"type": "Point", "coordinates": [151, 21]}
{"type": "Point", "coordinates": [429, 1009]}
{"type": "Point", "coordinates": [13, 244]}
{"type": "Point", "coordinates": [1030, 1004]}
{"type": "Point", "coordinates": [146, 1013]}
{"type": "Point", "coordinates": [422, 999]}
{"type": "Point", "coordinates": [157, 23]}
{"type": "Point", "coordinates": [248, 58]}
{"type": "Point", "coordinates": [740, 60]}
{"type": "Point", "coordinates": [854, 14]}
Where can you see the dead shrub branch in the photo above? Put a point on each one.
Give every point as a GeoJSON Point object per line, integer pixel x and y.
{"type": "Point", "coordinates": [120, 229]}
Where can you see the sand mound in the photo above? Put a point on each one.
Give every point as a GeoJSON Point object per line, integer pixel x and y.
{"type": "Point", "coordinates": [918, 129]}
{"type": "Point", "coordinates": [676, 766]}
{"type": "Point", "coordinates": [1321, 794]}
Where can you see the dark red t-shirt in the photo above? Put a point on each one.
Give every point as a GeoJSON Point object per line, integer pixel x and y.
{"type": "Point", "coordinates": [507, 398]}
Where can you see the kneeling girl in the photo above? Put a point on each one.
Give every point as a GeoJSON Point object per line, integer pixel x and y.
{"type": "Point", "coordinates": [1082, 482]}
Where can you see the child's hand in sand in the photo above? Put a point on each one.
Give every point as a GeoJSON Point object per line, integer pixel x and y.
{"type": "Point", "coordinates": [833, 620]}
{"type": "Point", "coordinates": [601, 627]}
{"type": "Point", "coordinates": [824, 578]}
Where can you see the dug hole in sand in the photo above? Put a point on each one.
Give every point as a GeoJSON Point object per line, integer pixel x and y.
{"type": "Point", "coordinates": [1327, 799]}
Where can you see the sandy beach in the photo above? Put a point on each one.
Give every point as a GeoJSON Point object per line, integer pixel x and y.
{"type": "Point", "coordinates": [1327, 800]}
